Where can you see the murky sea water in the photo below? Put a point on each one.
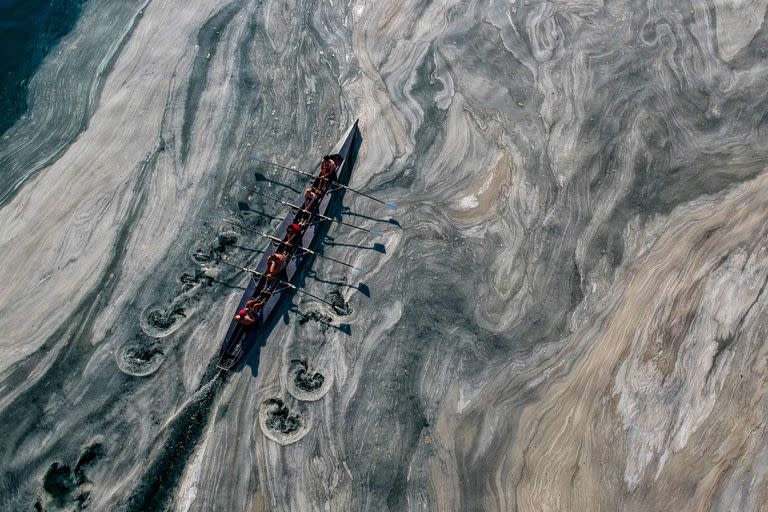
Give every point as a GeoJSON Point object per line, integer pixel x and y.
{"type": "Point", "coordinates": [567, 311]}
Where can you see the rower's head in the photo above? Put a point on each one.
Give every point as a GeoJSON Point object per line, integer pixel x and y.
{"type": "Point", "coordinates": [294, 228]}
{"type": "Point", "coordinates": [327, 165]}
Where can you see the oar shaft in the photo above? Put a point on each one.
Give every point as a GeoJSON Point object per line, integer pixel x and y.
{"type": "Point", "coordinates": [324, 217]}
{"type": "Point", "coordinates": [391, 206]}
{"type": "Point", "coordinates": [345, 223]}
{"type": "Point", "coordinates": [299, 247]}
{"type": "Point", "coordinates": [361, 193]}
{"type": "Point", "coordinates": [273, 164]}
{"type": "Point", "coordinates": [312, 295]}
{"type": "Point", "coordinates": [278, 200]}
{"type": "Point", "coordinates": [244, 269]}
{"type": "Point", "coordinates": [284, 283]}
{"type": "Point", "coordinates": [274, 238]}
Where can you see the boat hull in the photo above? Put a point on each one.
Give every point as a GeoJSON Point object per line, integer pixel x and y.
{"type": "Point", "coordinates": [239, 338]}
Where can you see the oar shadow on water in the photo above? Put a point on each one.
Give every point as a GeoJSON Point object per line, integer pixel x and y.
{"type": "Point", "coordinates": [361, 287]}
{"type": "Point", "coordinates": [342, 327]}
{"type": "Point", "coordinates": [245, 207]}
{"type": "Point", "coordinates": [261, 177]}
{"type": "Point", "coordinates": [378, 247]}
{"type": "Point", "coordinates": [347, 212]}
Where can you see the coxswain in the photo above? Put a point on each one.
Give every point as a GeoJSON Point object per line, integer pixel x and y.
{"type": "Point", "coordinates": [247, 315]}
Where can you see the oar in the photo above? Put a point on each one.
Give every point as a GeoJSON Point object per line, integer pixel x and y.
{"type": "Point", "coordinates": [373, 232]}
{"type": "Point", "coordinates": [275, 239]}
{"type": "Point", "coordinates": [289, 285]}
{"type": "Point", "coordinates": [257, 158]}
{"type": "Point", "coordinates": [390, 206]}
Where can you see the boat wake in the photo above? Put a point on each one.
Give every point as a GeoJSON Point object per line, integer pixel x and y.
{"type": "Point", "coordinates": [307, 384]}
{"type": "Point", "coordinates": [140, 357]}
{"type": "Point", "coordinates": [281, 423]}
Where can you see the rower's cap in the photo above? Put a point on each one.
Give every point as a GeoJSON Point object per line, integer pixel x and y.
{"type": "Point", "coordinates": [241, 312]}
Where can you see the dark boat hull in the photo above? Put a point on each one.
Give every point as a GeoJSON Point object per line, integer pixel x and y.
{"type": "Point", "coordinates": [240, 339]}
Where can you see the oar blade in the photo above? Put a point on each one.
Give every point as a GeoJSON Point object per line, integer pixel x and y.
{"type": "Point", "coordinates": [359, 269]}
{"type": "Point", "coordinates": [376, 233]}
{"type": "Point", "coordinates": [391, 207]}
{"type": "Point", "coordinates": [257, 158]}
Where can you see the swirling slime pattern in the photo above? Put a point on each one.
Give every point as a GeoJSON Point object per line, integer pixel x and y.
{"type": "Point", "coordinates": [569, 313]}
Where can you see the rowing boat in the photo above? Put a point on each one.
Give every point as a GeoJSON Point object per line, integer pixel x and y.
{"type": "Point", "coordinates": [240, 338]}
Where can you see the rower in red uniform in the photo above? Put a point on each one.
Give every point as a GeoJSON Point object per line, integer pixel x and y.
{"type": "Point", "coordinates": [293, 235]}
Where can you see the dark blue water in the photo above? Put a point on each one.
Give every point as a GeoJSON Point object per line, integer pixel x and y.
{"type": "Point", "coordinates": [29, 30]}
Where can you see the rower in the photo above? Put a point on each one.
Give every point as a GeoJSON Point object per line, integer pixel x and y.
{"type": "Point", "coordinates": [293, 234]}
{"type": "Point", "coordinates": [328, 167]}
{"type": "Point", "coordinates": [247, 315]}
{"type": "Point", "coordinates": [275, 264]}
{"type": "Point", "coordinates": [265, 295]}
{"type": "Point", "coordinates": [311, 197]}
